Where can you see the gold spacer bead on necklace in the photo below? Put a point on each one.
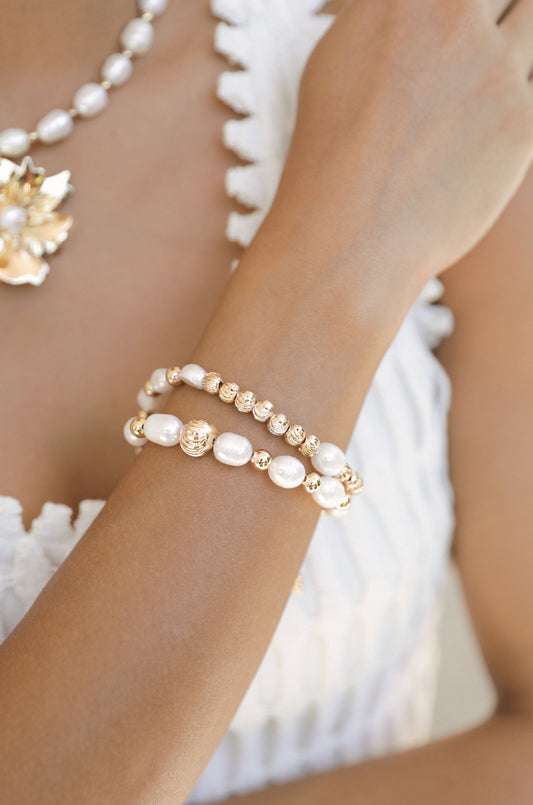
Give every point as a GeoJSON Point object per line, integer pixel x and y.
{"type": "Point", "coordinates": [143, 413]}
{"type": "Point", "coordinates": [173, 375]}
{"type": "Point", "coordinates": [295, 435]}
{"type": "Point", "coordinates": [310, 446]}
{"type": "Point", "coordinates": [228, 392]}
{"type": "Point", "coordinates": [261, 459]}
{"type": "Point", "coordinates": [212, 382]}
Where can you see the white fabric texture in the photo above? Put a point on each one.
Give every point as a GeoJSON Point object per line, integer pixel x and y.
{"type": "Point", "coordinates": [350, 672]}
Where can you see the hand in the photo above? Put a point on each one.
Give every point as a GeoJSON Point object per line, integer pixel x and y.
{"type": "Point", "coordinates": [415, 124]}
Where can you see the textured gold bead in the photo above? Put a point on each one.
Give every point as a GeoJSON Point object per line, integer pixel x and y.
{"type": "Point", "coordinates": [228, 391]}
{"type": "Point", "coordinates": [342, 508]}
{"type": "Point", "coordinates": [261, 459]}
{"type": "Point", "coordinates": [345, 474]}
{"type": "Point", "coordinates": [278, 424]}
{"type": "Point", "coordinates": [211, 382]}
{"type": "Point", "coordinates": [355, 484]}
{"type": "Point", "coordinates": [150, 390]}
{"type": "Point", "coordinates": [137, 426]}
{"type": "Point", "coordinates": [311, 482]}
{"type": "Point", "coordinates": [263, 410]}
{"type": "Point", "coordinates": [295, 435]}
{"type": "Point", "coordinates": [245, 401]}
{"type": "Point", "coordinates": [310, 446]}
{"type": "Point", "coordinates": [173, 375]}
{"type": "Point", "coordinates": [197, 437]}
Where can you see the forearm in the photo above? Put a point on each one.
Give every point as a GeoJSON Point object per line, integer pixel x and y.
{"type": "Point", "coordinates": [159, 618]}
{"type": "Point", "coordinates": [488, 765]}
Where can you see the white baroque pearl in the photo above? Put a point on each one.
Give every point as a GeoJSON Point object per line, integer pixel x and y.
{"type": "Point", "coordinates": [54, 126]}
{"type": "Point", "coordinates": [136, 441]}
{"type": "Point", "coordinates": [331, 492]}
{"type": "Point", "coordinates": [330, 460]}
{"type": "Point", "coordinates": [233, 449]}
{"type": "Point", "coordinates": [286, 471]}
{"type": "Point", "coordinates": [137, 36]}
{"type": "Point", "coordinates": [90, 100]}
{"type": "Point", "coordinates": [163, 429]}
{"type": "Point", "coordinates": [13, 219]}
{"type": "Point", "coordinates": [14, 142]}
{"type": "Point", "coordinates": [193, 375]}
{"type": "Point", "coordinates": [159, 382]}
{"type": "Point", "coordinates": [145, 401]}
{"type": "Point", "coordinates": [116, 69]}
{"type": "Point", "coordinates": [155, 7]}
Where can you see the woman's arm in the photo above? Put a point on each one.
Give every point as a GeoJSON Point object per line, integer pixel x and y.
{"type": "Point", "coordinates": [489, 361]}
{"type": "Point", "coordinates": [121, 680]}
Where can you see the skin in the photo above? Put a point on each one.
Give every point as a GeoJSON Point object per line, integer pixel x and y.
{"type": "Point", "coordinates": [128, 724]}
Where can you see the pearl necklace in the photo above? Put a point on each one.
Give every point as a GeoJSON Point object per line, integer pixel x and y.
{"type": "Point", "coordinates": [30, 227]}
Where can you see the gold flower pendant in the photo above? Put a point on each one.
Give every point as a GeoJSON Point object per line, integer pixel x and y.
{"type": "Point", "coordinates": [30, 227]}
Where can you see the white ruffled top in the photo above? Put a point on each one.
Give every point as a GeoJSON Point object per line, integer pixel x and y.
{"type": "Point", "coordinates": [350, 671]}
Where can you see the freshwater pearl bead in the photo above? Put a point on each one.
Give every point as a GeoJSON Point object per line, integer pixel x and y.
{"type": "Point", "coordinates": [116, 69]}
{"type": "Point", "coordinates": [164, 429]}
{"type": "Point", "coordinates": [90, 100]}
{"type": "Point", "coordinates": [54, 126]}
{"type": "Point", "coordinates": [13, 219]}
{"type": "Point", "coordinates": [287, 471]}
{"type": "Point", "coordinates": [14, 142]}
{"type": "Point", "coordinates": [137, 36]}
{"type": "Point", "coordinates": [193, 375]}
{"type": "Point", "coordinates": [145, 401]}
{"type": "Point", "coordinates": [136, 441]}
{"type": "Point", "coordinates": [159, 382]}
{"type": "Point", "coordinates": [233, 449]}
{"type": "Point", "coordinates": [155, 7]}
{"type": "Point", "coordinates": [330, 460]}
{"type": "Point", "coordinates": [330, 493]}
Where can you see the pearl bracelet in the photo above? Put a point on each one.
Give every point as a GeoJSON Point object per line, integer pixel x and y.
{"type": "Point", "coordinates": [197, 437]}
{"type": "Point", "coordinates": [332, 489]}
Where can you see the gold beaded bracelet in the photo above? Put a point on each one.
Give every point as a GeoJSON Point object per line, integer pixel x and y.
{"type": "Point", "coordinates": [328, 459]}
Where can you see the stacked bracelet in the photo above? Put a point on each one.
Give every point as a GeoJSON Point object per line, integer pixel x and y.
{"type": "Point", "coordinates": [333, 483]}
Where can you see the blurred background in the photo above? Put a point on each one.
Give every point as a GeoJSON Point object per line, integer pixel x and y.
{"type": "Point", "coordinates": [465, 693]}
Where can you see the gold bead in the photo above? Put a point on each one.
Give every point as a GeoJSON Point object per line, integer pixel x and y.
{"type": "Point", "coordinates": [310, 446]}
{"type": "Point", "coordinates": [298, 586]}
{"type": "Point", "coordinates": [173, 375]}
{"type": "Point", "coordinates": [150, 390]}
{"type": "Point", "coordinates": [278, 424]}
{"type": "Point", "coordinates": [311, 482]}
{"type": "Point", "coordinates": [143, 413]}
{"type": "Point", "coordinates": [228, 391]}
{"type": "Point", "coordinates": [345, 474]}
{"type": "Point", "coordinates": [355, 484]}
{"type": "Point", "coordinates": [261, 459]}
{"type": "Point", "coordinates": [211, 382]}
{"type": "Point", "coordinates": [295, 435]}
{"type": "Point", "coordinates": [342, 508]}
{"type": "Point", "coordinates": [106, 85]}
{"type": "Point", "coordinates": [245, 401]}
{"type": "Point", "coordinates": [137, 426]}
{"type": "Point", "coordinates": [263, 410]}
{"type": "Point", "coordinates": [197, 437]}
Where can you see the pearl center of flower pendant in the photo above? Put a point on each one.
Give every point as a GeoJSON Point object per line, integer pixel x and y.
{"type": "Point", "coordinates": [13, 219]}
